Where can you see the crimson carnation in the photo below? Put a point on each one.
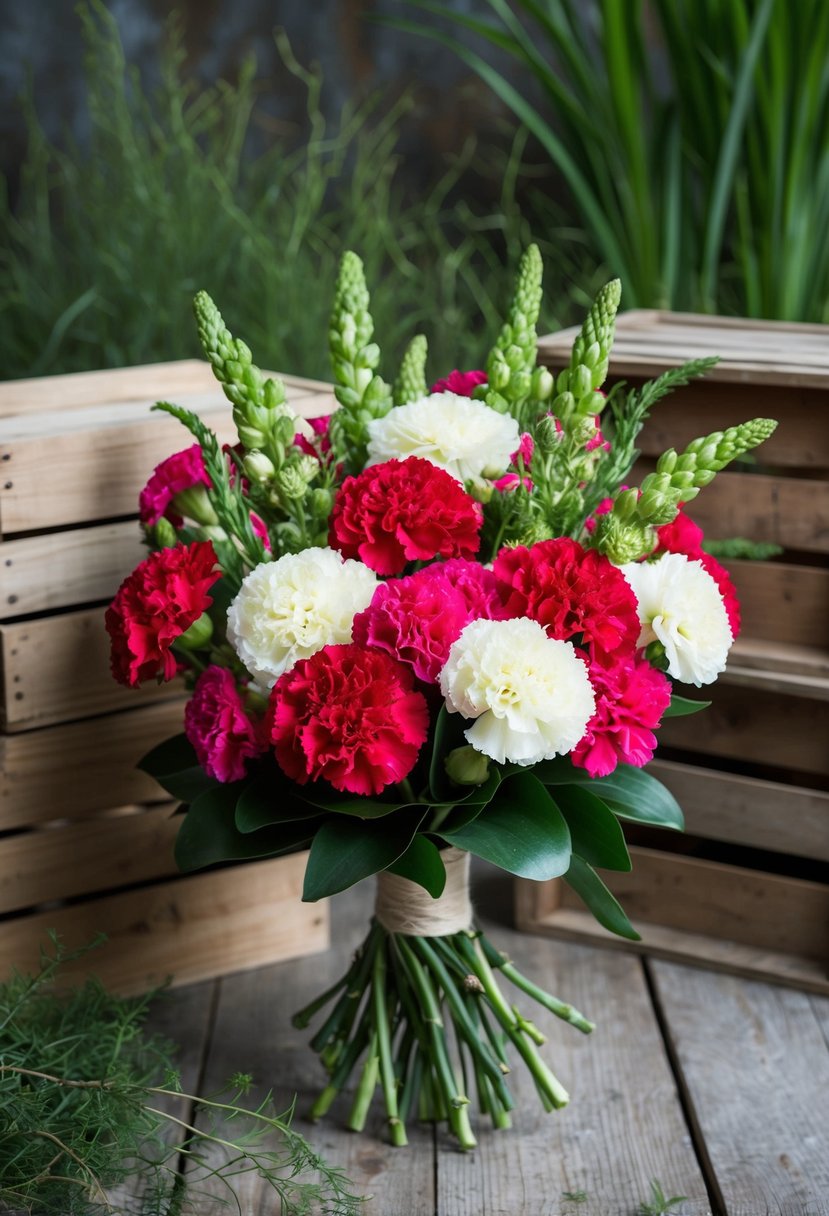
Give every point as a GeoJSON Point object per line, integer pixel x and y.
{"type": "Point", "coordinates": [223, 736]}
{"type": "Point", "coordinates": [572, 592]}
{"type": "Point", "coordinates": [631, 697]}
{"type": "Point", "coordinates": [154, 606]}
{"type": "Point", "coordinates": [682, 535]}
{"type": "Point", "coordinates": [416, 619]}
{"type": "Point", "coordinates": [403, 511]}
{"type": "Point", "coordinates": [177, 473]}
{"type": "Point", "coordinates": [350, 716]}
{"type": "Point", "coordinates": [462, 384]}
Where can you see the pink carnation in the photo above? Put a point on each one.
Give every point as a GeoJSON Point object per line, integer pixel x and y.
{"type": "Point", "coordinates": [463, 384]}
{"type": "Point", "coordinates": [179, 472]}
{"type": "Point", "coordinates": [416, 619]}
{"type": "Point", "coordinates": [260, 529]}
{"type": "Point", "coordinates": [215, 721]}
{"type": "Point", "coordinates": [320, 445]}
{"type": "Point", "coordinates": [574, 593]}
{"type": "Point", "coordinates": [682, 535]}
{"type": "Point", "coordinates": [631, 697]}
{"type": "Point", "coordinates": [524, 452]}
{"type": "Point", "coordinates": [403, 511]}
{"type": "Point", "coordinates": [598, 440]}
{"type": "Point", "coordinates": [349, 716]}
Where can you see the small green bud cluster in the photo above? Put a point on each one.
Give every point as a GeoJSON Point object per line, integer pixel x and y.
{"type": "Point", "coordinates": [512, 377]}
{"type": "Point", "coordinates": [410, 384]}
{"type": "Point", "coordinates": [576, 386]}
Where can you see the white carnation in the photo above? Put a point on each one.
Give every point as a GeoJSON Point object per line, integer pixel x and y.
{"type": "Point", "coordinates": [289, 609]}
{"type": "Point", "coordinates": [463, 436]}
{"type": "Point", "coordinates": [530, 694]}
{"type": "Point", "coordinates": [680, 606]}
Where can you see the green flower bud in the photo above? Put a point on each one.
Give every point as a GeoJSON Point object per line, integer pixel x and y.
{"type": "Point", "coordinates": [547, 435]}
{"type": "Point", "coordinates": [622, 541]}
{"type": "Point", "coordinates": [498, 373]}
{"type": "Point", "coordinates": [564, 405]}
{"type": "Point", "coordinates": [194, 504]}
{"type": "Point", "coordinates": [164, 534]}
{"type": "Point", "coordinates": [466, 766]}
{"type": "Point", "coordinates": [258, 467]}
{"type": "Point", "coordinates": [667, 461]}
{"type": "Point", "coordinates": [290, 482]}
{"type": "Point", "coordinates": [320, 503]}
{"type": "Point", "coordinates": [542, 384]}
{"type": "Point", "coordinates": [198, 635]}
{"type": "Point", "coordinates": [481, 491]}
{"type": "Point", "coordinates": [581, 382]}
{"type": "Point", "coordinates": [625, 504]}
{"type": "Point", "coordinates": [521, 385]}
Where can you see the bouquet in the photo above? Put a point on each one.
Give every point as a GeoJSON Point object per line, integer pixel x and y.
{"type": "Point", "coordinates": [435, 624]}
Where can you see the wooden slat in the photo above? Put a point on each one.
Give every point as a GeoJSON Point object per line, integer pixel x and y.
{"type": "Point", "coordinates": [82, 858]}
{"type": "Point", "coordinates": [756, 1068]}
{"type": "Point", "coordinates": [156, 380]}
{"type": "Point", "coordinates": [56, 669]}
{"type": "Point", "coordinates": [782, 601]}
{"type": "Point", "coordinates": [188, 928]}
{"type": "Point", "coordinates": [69, 772]}
{"type": "Point", "coordinates": [59, 569]}
{"type": "Point", "coordinates": [755, 725]}
{"type": "Point", "coordinates": [743, 810]}
{"type": "Point", "coordinates": [794, 670]}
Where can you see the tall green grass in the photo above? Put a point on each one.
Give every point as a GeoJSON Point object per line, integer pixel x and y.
{"type": "Point", "coordinates": [107, 245]}
{"type": "Point", "coordinates": [692, 137]}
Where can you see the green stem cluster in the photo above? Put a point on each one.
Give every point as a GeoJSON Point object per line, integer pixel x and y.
{"type": "Point", "coordinates": [396, 1005]}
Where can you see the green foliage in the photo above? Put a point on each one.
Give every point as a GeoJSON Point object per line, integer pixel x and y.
{"type": "Point", "coordinates": [82, 1087]}
{"type": "Point", "coordinates": [740, 547]}
{"type": "Point", "coordinates": [691, 136]}
{"type": "Point", "coordinates": [659, 1204]}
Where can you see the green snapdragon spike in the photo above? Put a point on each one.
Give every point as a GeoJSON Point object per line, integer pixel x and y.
{"type": "Point", "coordinates": [626, 533]}
{"type": "Point", "coordinates": [576, 385]}
{"type": "Point", "coordinates": [362, 394]}
{"type": "Point", "coordinates": [511, 363]}
{"type": "Point", "coordinates": [410, 384]}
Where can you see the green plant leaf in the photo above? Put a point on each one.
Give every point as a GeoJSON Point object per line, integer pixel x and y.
{"type": "Point", "coordinates": [269, 799]}
{"type": "Point", "coordinates": [521, 830]}
{"type": "Point", "coordinates": [363, 808]}
{"type": "Point", "coordinates": [174, 766]}
{"type": "Point", "coordinates": [448, 734]}
{"type": "Point", "coordinates": [681, 706]}
{"type": "Point", "coordinates": [605, 907]}
{"type": "Point", "coordinates": [208, 833]}
{"type": "Point", "coordinates": [346, 850]}
{"type": "Point", "coordinates": [629, 792]}
{"type": "Point", "coordinates": [473, 802]}
{"type": "Point", "coordinates": [594, 829]}
{"type": "Point", "coordinates": [423, 864]}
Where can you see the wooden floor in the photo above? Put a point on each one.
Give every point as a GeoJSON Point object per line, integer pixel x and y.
{"type": "Point", "coordinates": [716, 1087]}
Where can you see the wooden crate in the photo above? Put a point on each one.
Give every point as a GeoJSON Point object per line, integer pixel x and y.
{"type": "Point", "coordinates": [86, 839]}
{"type": "Point", "coordinates": [746, 889]}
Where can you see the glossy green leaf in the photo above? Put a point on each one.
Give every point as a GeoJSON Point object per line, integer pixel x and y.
{"type": "Point", "coordinates": [472, 803]}
{"type": "Point", "coordinates": [629, 792]}
{"type": "Point", "coordinates": [174, 766]}
{"type": "Point", "coordinates": [268, 799]}
{"type": "Point", "coordinates": [605, 907]}
{"type": "Point", "coordinates": [423, 864]}
{"type": "Point", "coordinates": [521, 830]}
{"type": "Point", "coordinates": [681, 706]}
{"type": "Point", "coordinates": [346, 850]}
{"type": "Point", "coordinates": [362, 808]}
{"type": "Point", "coordinates": [448, 734]}
{"type": "Point", "coordinates": [208, 834]}
{"type": "Point", "coordinates": [594, 829]}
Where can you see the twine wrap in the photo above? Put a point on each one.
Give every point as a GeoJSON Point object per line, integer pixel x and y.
{"type": "Point", "coordinates": [404, 907]}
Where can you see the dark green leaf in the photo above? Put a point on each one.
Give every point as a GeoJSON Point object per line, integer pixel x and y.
{"type": "Point", "coordinates": [448, 734]}
{"type": "Point", "coordinates": [346, 850]}
{"type": "Point", "coordinates": [472, 803]}
{"type": "Point", "coordinates": [174, 765]}
{"type": "Point", "coordinates": [209, 835]}
{"type": "Point", "coordinates": [605, 907]}
{"type": "Point", "coordinates": [423, 864]}
{"type": "Point", "coordinates": [680, 706]}
{"type": "Point", "coordinates": [628, 791]}
{"type": "Point", "coordinates": [594, 829]}
{"type": "Point", "coordinates": [521, 830]}
{"type": "Point", "coordinates": [362, 808]}
{"type": "Point", "coordinates": [270, 799]}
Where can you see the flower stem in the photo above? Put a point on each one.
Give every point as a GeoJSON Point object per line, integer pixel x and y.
{"type": "Point", "coordinates": [365, 1090]}
{"type": "Point", "coordinates": [383, 1039]}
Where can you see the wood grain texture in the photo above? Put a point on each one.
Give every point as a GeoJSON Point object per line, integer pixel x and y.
{"type": "Point", "coordinates": [189, 928]}
{"type": "Point", "coordinates": [56, 669]}
{"type": "Point", "coordinates": [70, 772]}
{"type": "Point", "coordinates": [756, 1067]}
{"type": "Point", "coordinates": [116, 385]}
{"type": "Point", "coordinates": [782, 601]}
{"type": "Point", "coordinates": [744, 810]}
{"type": "Point", "coordinates": [786, 511]}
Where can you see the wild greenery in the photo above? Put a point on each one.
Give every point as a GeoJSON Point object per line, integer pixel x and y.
{"type": "Point", "coordinates": [90, 1101]}
{"type": "Point", "coordinates": [108, 243]}
{"type": "Point", "coordinates": [691, 136]}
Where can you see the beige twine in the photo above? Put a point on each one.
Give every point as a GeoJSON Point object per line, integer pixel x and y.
{"type": "Point", "coordinates": [404, 907]}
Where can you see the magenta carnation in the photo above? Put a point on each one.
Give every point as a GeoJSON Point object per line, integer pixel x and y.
{"type": "Point", "coordinates": [350, 716]}
{"type": "Point", "coordinates": [416, 619]}
{"type": "Point", "coordinates": [463, 384]}
{"type": "Point", "coordinates": [223, 736]}
{"type": "Point", "coordinates": [631, 697]}
{"type": "Point", "coordinates": [179, 472]}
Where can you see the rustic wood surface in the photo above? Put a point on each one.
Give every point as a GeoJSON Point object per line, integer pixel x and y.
{"type": "Point", "coordinates": [715, 1086]}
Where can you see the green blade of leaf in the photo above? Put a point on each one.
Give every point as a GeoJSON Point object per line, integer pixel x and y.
{"type": "Point", "coordinates": [629, 792]}
{"type": "Point", "coordinates": [681, 706]}
{"type": "Point", "coordinates": [521, 830]}
{"type": "Point", "coordinates": [605, 907]}
{"type": "Point", "coordinates": [174, 766]}
{"type": "Point", "coordinates": [346, 850]}
{"type": "Point", "coordinates": [594, 829]}
{"type": "Point", "coordinates": [269, 799]}
{"type": "Point", "coordinates": [423, 864]}
{"type": "Point", "coordinates": [208, 834]}
{"type": "Point", "coordinates": [361, 808]}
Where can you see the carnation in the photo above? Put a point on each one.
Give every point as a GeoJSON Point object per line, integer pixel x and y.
{"type": "Point", "coordinates": [680, 606]}
{"type": "Point", "coordinates": [179, 472]}
{"type": "Point", "coordinates": [417, 619]}
{"type": "Point", "coordinates": [288, 609]}
{"type": "Point", "coordinates": [462, 436]}
{"type": "Point", "coordinates": [462, 384]}
{"type": "Point", "coordinates": [530, 695]}
{"type": "Point", "coordinates": [682, 535]}
{"type": "Point", "coordinates": [573, 592]}
{"type": "Point", "coordinates": [349, 716]}
{"type": "Point", "coordinates": [631, 697]}
{"type": "Point", "coordinates": [217, 725]}
{"type": "Point", "coordinates": [403, 511]}
{"type": "Point", "coordinates": [154, 606]}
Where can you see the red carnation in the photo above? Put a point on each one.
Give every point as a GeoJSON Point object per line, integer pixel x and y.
{"type": "Point", "coordinates": [463, 384]}
{"type": "Point", "coordinates": [572, 592]}
{"type": "Point", "coordinates": [631, 697]}
{"type": "Point", "coordinates": [403, 511]}
{"type": "Point", "coordinates": [156, 604]}
{"type": "Point", "coordinates": [223, 736]}
{"type": "Point", "coordinates": [350, 716]}
{"type": "Point", "coordinates": [179, 472]}
{"type": "Point", "coordinates": [682, 535]}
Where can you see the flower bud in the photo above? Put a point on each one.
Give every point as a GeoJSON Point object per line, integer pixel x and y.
{"type": "Point", "coordinates": [542, 384]}
{"type": "Point", "coordinates": [164, 534]}
{"type": "Point", "coordinates": [581, 382]}
{"type": "Point", "coordinates": [320, 503]}
{"type": "Point", "coordinates": [194, 503]}
{"type": "Point", "coordinates": [258, 467]}
{"type": "Point", "coordinates": [198, 635]}
{"type": "Point", "coordinates": [479, 489]}
{"type": "Point", "coordinates": [466, 766]}
{"type": "Point", "coordinates": [290, 482]}
{"type": "Point", "coordinates": [547, 435]}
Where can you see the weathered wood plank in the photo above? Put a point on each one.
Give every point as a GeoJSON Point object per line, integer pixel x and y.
{"type": "Point", "coordinates": [115, 385]}
{"type": "Point", "coordinates": [786, 511]}
{"type": "Point", "coordinates": [756, 1067]}
{"type": "Point", "coordinates": [782, 601]}
{"type": "Point", "coordinates": [189, 928]}
{"type": "Point", "coordinates": [72, 771]}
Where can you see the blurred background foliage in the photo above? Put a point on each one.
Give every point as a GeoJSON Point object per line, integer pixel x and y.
{"type": "Point", "coordinates": [681, 144]}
